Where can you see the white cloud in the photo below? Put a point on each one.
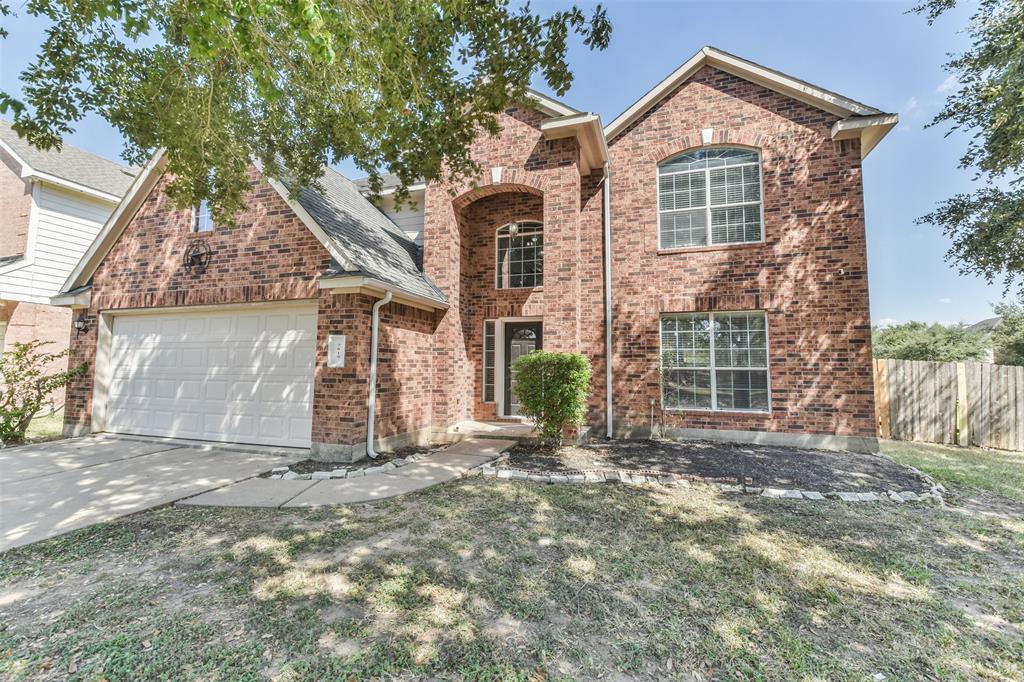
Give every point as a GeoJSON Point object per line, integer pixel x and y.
{"type": "Point", "coordinates": [948, 84]}
{"type": "Point", "coordinates": [911, 105]}
{"type": "Point", "coordinates": [945, 300]}
{"type": "Point", "coordinates": [886, 322]}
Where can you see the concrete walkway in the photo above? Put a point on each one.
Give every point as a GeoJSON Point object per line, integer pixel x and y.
{"type": "Point", "coordinates": [440, 467]}
{"type": "Point", "coordinates": [51, 488]}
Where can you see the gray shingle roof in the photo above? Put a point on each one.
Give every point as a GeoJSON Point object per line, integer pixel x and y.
{"type": "Point", "coordinates": [72, 164]}
{"type": "Point", "coordinates": [366, 236]}
{"type": "Point", "coordinates": [390, 182]}
{"type": "Point", "coordinates": [986, 325]}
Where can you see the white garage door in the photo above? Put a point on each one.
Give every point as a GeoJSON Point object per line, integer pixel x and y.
{"type": "Point", "coordinates": [232, 376]}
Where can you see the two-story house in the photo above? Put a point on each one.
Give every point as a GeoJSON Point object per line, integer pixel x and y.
{"type": "Point", "coordinates": [706, 250]}
{"type": "Point", "coordinates": [52, 205]}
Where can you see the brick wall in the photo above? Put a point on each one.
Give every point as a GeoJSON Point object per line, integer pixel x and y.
{"type": "Point", "coordinates": [404, 371]}
{"type": "Point", "coordinates": [269, 256]}
{"type": "Point", "coordinates": [15, 207]}
{"type": "Point", "coordinates": [523, 177]}
{"type": "Point", "coordinates": [810, 275]}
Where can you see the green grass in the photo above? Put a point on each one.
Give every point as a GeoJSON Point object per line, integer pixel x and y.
{"type": "Point", "coordinates": [488, 580]}
{"type": "Point", "coordinates": [995, 471]}
{"type": "Point", "coordinates": [45, 427]}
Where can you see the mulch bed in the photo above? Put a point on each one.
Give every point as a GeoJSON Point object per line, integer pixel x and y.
{"type": "Point", "coordinates": [766, 466]}
{"type": "Point", "coordinates": [308, 466]}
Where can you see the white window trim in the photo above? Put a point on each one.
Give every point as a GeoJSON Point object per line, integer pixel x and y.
{"type": "Point", "coordinates": [483, 365]}
{"type": "Point", "coordinates": [497, 263]}
{"type": "Point", "coordinates": [707, 188]}
{"type": "Point", "coordinates": [194, 225]}
{"type": "Point", "coordinates": [711, 350]}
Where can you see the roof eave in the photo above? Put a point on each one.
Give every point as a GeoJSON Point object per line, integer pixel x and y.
{"type": "Point", "coordinates": [369, 285]}
{"type": "Point", "coordinates": [773, 80]}
{"type": "Point", "coordinates": [550, 106]}
{"type": "Point", "coordinates": [586, 128]}
{"type": "Point", "coordinates": [78, 298]}
{"type": "Point", "coordinates": [27, 172]}
{"type": "Point", "coordinates": [118, 220]}
{"type": "Point", "coordinates": [868, 129]}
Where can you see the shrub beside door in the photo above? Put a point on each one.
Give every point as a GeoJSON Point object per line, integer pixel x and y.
{"type": "Point", "coordinates": [553, 388]}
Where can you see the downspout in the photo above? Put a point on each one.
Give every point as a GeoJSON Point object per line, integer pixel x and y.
{"type": "Point", "coordinates": [607, 191]}
{"type": "Point", "coordinates": [371, 399]}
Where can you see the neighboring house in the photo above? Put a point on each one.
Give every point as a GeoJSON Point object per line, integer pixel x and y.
{"type": "Point", "coordinates": [725, 208]}
{"type": "Point", "coordinates": [985, 328]}
{"type": "Point", "coordinates": [52, 205]}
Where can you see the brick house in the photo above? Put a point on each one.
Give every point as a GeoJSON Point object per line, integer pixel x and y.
{"type": "Point", "coordinates": [52, 205]}
{"type": "Point", "coordinates": [725, 208]}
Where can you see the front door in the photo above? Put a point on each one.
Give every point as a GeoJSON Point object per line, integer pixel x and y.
{"type": "Point", "coordinates": [521, 338]}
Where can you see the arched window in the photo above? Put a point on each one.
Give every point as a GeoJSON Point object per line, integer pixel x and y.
{"type": "Point", "coordinates": [710, 196]}
{"type": "Point", "coordinates": [520, 262]}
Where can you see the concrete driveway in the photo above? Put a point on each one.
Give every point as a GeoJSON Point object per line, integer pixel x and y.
{"type": "Point", "coordinates": [53, 488]}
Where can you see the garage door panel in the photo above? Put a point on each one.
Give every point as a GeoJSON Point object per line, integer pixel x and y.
{"type": "Point", "coordinates": [236, 377]}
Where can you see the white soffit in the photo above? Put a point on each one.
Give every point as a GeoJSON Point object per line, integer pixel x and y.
{"type": "Point", "coordinates": [586, 128]}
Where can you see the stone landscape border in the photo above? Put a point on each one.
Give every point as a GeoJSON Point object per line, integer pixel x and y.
{"type": "Point", "coordinates": [729, 485]}
{"type": "Point", "coordinates": [285, 473]}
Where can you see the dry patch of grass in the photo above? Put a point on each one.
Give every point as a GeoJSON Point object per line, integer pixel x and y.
{"type": "Point", "coordinates": [492, 580]}
{"type": "Point", "coordinates": [45, 427]}
{"type": "Point", "coordinates": [996, 471]}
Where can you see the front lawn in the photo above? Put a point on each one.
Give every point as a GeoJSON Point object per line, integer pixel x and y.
{"type": "Point", "coordinates": [994, 471]}
{"type": "Point", "coordinates": [486, 579]}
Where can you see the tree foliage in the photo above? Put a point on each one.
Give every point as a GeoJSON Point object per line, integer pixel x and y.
{"type": "Point", "coordinates": [987, 226]}
{"type": "Point", "coordinates": [553, 389]}
{"type": "Point", "coordinates": [401, 85]}
{"type": "Point", "coordinates": [920, 341]}
{"type": "Point", "coordinates": [1008, 336]}
{"type": "Point", "coordinates": [25, 385]}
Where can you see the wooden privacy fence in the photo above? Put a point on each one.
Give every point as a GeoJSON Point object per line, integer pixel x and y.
{"type": "Point", "coordinates": [963, 403]}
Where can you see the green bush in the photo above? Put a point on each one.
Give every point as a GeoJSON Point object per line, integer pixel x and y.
{"type": "Point", "coordinates": [25, 386]}
{"type": "Point", "coordinates": [553, 389]}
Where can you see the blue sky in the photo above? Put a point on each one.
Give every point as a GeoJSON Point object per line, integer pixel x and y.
{"type": "Point", "coordinates": [871, 51]}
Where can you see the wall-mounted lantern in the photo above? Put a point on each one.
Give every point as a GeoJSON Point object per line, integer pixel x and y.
{"type": "Point", "coordinates": [81, 324]}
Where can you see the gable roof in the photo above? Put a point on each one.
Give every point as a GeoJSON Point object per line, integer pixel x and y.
{"type": "Point", "coordinates": [871, 123]}
{"type": "Point", "coordinates": [70, 166]}
{"type": "Point", "coordinates": [360, 238]}
{"type": "Point", "coordinates": [372, 244]}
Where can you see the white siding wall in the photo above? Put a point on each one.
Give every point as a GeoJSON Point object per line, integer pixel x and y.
{"type": "Point", "coordinates": [409, 218]}
{"type": "Point", "coordinates": [63, 225]}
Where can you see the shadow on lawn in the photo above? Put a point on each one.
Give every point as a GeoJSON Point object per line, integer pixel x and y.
{"type": "Point", "coordinates": [485, 579]}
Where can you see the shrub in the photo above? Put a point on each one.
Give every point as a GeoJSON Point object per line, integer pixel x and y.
{"type": "Point", "coordinates": [25, 386]}
{"type": "Point", "coordinates": [1008, 336]}
{"type": "Point", "coordinates": [920, 341]}
{"type": "Point", "coordinates": [553, 388]}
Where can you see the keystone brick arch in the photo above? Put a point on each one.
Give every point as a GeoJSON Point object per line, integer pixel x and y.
{"type": "Point", "coordinates": [533, 185]}
{"type": "Point", "coordinates": [723, 137]}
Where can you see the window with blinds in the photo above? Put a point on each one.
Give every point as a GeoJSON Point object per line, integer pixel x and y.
{"type": "Point", "coordinates": [714, 361]}
{"type": "Point", "coordinates": [710, 196]}
{"type": "Point", "coordinates": [489, 350]}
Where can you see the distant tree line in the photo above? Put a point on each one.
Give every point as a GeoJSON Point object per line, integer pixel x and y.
{"type": "Point", "coordinates": [1003, 345]}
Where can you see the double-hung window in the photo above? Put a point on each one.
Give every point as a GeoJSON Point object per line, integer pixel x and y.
{"type": "Point", "coordinates": [714, 361]}
{"type": "Point", "coordinates": [520, 256]}
{"type": "Point", "coordinates": [708, 197]}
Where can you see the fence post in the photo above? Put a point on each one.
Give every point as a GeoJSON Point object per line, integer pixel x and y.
{"type": "Point", "coordinates": [963, 416]}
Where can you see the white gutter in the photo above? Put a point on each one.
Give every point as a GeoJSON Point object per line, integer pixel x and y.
{"type": "Point", "coordinates": [371, 400]}
{"type": "Point", "coordinates": [608, 299]}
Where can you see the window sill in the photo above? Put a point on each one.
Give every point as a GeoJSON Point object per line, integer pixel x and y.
{"type": "Point", "coordinates": [540, 288]}
{"type": "Point", "coordinates": [703, 411]}
{"type": "Point", "coordinates": [713, 247]}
